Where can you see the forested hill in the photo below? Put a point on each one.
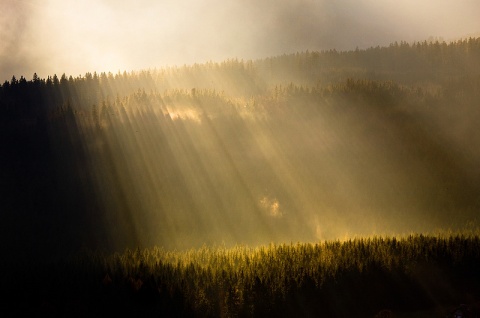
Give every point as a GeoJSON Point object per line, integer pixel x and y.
{"type": "Point", "coordinates": [425, 64]}
{"type": "Point", "coordinates": [301, 147]}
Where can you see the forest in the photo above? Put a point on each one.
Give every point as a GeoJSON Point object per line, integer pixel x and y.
{"type": "Point", "coordinates": [318, 147]}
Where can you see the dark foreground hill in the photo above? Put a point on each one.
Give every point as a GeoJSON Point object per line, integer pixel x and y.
{"type": "Point", "coordinates": [415, 276]}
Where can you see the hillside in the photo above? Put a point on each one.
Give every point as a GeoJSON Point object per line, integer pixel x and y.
{"type": "Point", "coordinates": [302, 147]}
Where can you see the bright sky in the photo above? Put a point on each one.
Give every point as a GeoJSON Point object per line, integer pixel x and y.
{"type": "Point", "coordinates": [75, 37]}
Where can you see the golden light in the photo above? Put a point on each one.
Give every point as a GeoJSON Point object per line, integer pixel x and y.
{"type": "Point", "coordinates": [182, 156]}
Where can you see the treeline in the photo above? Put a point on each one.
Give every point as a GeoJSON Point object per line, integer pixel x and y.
{"type": "Point", "coordinates": [424, 64]}
{"type": "Point", "coordinates": [420, 63]}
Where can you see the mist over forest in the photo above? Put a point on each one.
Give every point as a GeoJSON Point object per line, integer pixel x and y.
{"type": "Point", "coordinates": [302, 147]}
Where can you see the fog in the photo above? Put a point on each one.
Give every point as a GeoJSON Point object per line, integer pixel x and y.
{"type": "Point", "coordinates": [284, 148]}
{"type": "Point", "coordinates": [65, 36]}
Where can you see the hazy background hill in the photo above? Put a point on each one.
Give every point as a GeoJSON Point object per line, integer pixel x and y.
{"type": "Point", "coordinates": [300, 147]}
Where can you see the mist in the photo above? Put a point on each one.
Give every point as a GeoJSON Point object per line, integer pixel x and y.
{"type": "Point", "coordinates": [239, 158]}
{"type": "Point", "coordinates": [295, 148]}
{"type": "Point", "coordinates": [235, 123]}
{"type": "Point", "coordinates": [71, 37]}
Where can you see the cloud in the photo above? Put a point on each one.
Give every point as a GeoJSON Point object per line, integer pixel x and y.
{"type": "Point", "coordinates": [56, 36]}
{"type": "Point", "coordinates": [14, 26]}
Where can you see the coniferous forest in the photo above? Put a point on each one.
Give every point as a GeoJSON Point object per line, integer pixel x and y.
{"type": "Point", "coordinates": [331, 184]}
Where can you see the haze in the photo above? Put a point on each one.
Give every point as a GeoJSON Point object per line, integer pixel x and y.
{"type": "Point", "coordinates": [75, 37]}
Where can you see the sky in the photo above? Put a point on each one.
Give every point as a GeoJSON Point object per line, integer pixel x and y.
{"type": "Point", "coordinates": [74, 37]}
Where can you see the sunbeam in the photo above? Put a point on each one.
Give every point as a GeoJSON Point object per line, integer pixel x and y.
{"type": "Point", "coordinates": [239, 158]}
